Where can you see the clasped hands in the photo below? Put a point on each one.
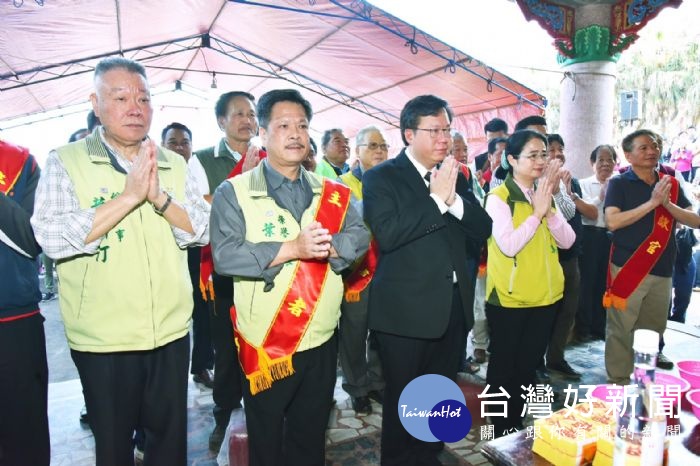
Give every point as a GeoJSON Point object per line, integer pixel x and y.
{"type": "Point", "coordinates": [661, 195]}
{"type": "Point", "coordinates": [546, 186]}
{"type": "Point", "coordinates": [314, 242]}
{"type": "Point", "coordinates": [142, 183]}
{"type": "Point", "coordinates": [443, 180]}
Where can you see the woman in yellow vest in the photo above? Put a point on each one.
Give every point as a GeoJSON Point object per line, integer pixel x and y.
{"type": "Point", "coordinates": [524, 278]}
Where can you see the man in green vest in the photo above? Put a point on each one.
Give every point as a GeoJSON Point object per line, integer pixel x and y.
{"type": "Point", "coordinates": [336, 150]}
{"type": "Point", "coordinates": [284, 235]}
{"type": "Point", "coordinates": [116, 212]}
{"type": "Point", "coordinates": [359, 358]}
{"type": "Point", "coordinates": [235, 115]}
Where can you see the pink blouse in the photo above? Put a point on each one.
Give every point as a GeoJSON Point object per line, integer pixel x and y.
{"type": "Point", "coordinates": [511, 240]}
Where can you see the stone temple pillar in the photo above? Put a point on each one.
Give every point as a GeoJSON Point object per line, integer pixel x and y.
{"type": "Point", "coordinates": [586, 111]}
{"type": "Point", "coordinates": [587, 99]}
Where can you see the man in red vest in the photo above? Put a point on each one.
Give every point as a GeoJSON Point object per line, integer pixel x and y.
{"type": "Point", "coordinates": [642, 206]}
{"type": "Point", "coordinates": [24, 426]}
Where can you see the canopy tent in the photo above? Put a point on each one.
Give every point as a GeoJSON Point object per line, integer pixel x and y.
{"type": "Point", "coordinates": [355, 63]}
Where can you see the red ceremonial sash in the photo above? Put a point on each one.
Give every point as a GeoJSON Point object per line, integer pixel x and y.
{"type": "Point", "coordinates": [643, 259]}
{"type": "Point", "coordinates": [11, 164]}
{"type": "Point", "coordinates": [358, 280]}
{"type": "Point", "coordinates": [465, 170]}
{"type": "Point", "coordinates": [483, 260]}
{"type": "Point", "coordinates": [273, 359]}
{"type": "Point", "coordinates": [206, 262]}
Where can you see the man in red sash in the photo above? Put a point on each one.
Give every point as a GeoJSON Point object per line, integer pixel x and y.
{"type": "Point", "coordinates": [359, 359]}
{"type": "Point", "coordinates": [24, 426]}
{"type": "Point", "coordinates": [641, 209]}
{"type": "Point", "coordinates": [235, 115]}
{"type": "Point", "coordinates": [284, 235]}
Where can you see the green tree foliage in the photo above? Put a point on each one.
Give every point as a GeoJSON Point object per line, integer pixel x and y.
{"type": "Point", "coordinates": [666, 68]}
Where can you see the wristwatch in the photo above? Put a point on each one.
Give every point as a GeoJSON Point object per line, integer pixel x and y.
{"type": "Point", "coordinates": [166, 204]}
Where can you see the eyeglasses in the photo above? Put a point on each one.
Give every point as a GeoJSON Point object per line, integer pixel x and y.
{"type": "Point", "coordinates": [434, 132]}
{"type": "Point", "coordinates": [375, 146]}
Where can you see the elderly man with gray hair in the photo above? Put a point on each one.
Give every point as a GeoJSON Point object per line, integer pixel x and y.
{"type": "Point", "coordinates": [116, 212]}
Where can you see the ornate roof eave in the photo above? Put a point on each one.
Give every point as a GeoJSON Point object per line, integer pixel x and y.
{"type": "Point", "coordinates": [594, 42]}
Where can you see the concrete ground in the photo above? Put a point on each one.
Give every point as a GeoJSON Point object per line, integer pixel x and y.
{"type": "Point", "coordinates": [72, 443]}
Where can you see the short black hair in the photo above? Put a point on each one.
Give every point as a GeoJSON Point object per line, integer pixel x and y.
{"type": "Point", "coordinates": [111, 63]}
{"type": "Point", "coordinates": [92, 121]}
{"type": "Point", "coordinates": [531, 120]}
{"type": "Point", "coordinates": [627, 141]}
{"type": "Point", "coordinates": [496, 125]}
{"type": "Point", "coordinates": [608, 147]}
{"type": "Point", "coordinates": [175, 125]}
{"type": "Point", "coordinates": [224, 99]}
{"type": "Point", "coordinates": [517, 141]}
{"type": "Point", "coordinates": [418, 107]}
{"type": "Point", "coordinates": [494, 142]}
{"type": "Point", "coordinates": [269, 99]}
{"type": "Point", "coordinates": [327, 135]}
{"type": "Point", "coordinates": [75, 136]}
{"type": "Point", "coordinates": [554, 137]}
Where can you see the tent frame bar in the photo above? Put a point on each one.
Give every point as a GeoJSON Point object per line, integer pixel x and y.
{"type": "Point", "coordinates": [281, 72]}
{"type": "Point", "coordinates": [56, 71]}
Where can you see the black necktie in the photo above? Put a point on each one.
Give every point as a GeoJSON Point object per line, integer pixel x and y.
{"type": "Point", "coordinates": [427, 178]}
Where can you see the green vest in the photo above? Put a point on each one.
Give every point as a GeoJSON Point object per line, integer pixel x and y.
{"type": "Point", "coordinates": [266, 221]}
{"type": "Point", "coordinates": [324, 168]}
{"type": "Point", "coordinates": [217, 168]}
{"type": "Point", "coordinates": [135, 292]}
{"type": "Point", "coordinates": [533, 277]}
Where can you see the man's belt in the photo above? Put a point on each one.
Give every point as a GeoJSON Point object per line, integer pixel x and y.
{"type": "Point", "coordinates": [644, 257]}
{"type": "Point", "coordinates": [272, 360]}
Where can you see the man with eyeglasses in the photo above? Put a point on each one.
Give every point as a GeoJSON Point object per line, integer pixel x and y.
{"type": "Point", "coordinates": [359, 359]}
{"type": "Point", "coordinates": [336, 150]}
{"type": "Point", "coordinates": [423, 217]}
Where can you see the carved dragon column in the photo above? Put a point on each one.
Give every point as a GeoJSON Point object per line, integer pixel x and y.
{"type": "Point", "coordinates": [589, 37]}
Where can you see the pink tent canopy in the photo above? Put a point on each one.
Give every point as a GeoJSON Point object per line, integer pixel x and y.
{"type": "Point", "coordinates": [355, 63]}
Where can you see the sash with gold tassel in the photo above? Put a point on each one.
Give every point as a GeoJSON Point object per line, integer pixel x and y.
{"type": "Point", "coordinates": [358, 280]}
{"type": "Point", "coordinates": [643, 259]}
{"type": "Point", "coordinates": [206, 262]}
{"type": "Point", "coordinates": [273, 359]}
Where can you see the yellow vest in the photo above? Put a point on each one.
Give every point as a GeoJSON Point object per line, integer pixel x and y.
{"type": "Point", "coordinates": [266, 221]}
{"type": "Point", "coordinates": [533, 277]}
{"type": "Point", "coordinates": [135, 292]}
{"type": "Point", "coordinates": [351, 181]}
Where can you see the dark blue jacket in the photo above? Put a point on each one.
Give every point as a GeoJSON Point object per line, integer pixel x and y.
{"type": "Point", "coordinates": [19, 280]}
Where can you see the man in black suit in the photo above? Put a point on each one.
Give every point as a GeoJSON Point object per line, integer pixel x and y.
{"type": "Point", "coordinates": [424, 218]}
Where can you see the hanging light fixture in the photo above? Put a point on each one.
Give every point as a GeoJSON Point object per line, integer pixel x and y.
{"type": "Point", "coordinates": [213, 80]}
